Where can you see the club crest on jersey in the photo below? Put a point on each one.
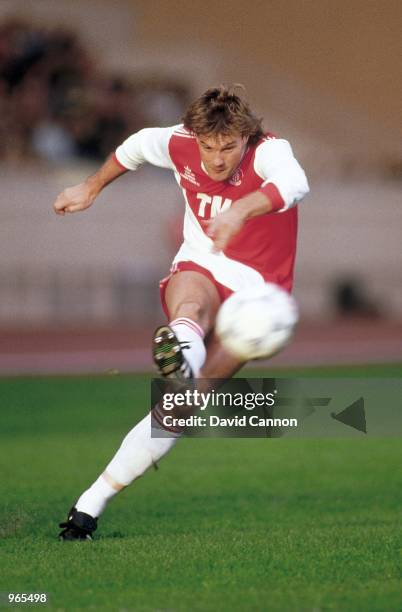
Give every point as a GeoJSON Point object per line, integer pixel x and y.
{"type": "Point", "coordinates": [236, 178]}
{"type": "Point", "coordinates": [189, 176]}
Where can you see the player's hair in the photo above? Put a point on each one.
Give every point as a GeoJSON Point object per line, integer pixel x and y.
{"type": "Point", "coordinates": [221, 111]}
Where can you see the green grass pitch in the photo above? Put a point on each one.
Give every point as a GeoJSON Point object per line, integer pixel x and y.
{"type": "Point", "coordinates": [224, 524]}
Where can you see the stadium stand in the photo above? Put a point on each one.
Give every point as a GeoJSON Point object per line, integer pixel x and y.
{"type": "Point", "coordinates": [57, 103]}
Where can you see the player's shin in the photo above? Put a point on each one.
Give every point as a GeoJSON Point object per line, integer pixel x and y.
{"type": "Point", "coordinates": [94, 500]}
{"type": "Point", "coordinates": [138, 451]}
{"type": "Point", "coordinates": [191, 338]}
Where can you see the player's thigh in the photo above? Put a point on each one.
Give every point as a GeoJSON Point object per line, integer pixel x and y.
{"type": "Point", "coordinates": [193, 295]}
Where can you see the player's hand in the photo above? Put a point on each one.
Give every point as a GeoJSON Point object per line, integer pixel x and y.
{"type": "Point", "coordinates": [74, 199]}
{"type": "Point", "coordinates": [222, 228]}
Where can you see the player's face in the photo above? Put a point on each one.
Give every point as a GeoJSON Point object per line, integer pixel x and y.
{"type": "Point", "coordinates": [221, 154]}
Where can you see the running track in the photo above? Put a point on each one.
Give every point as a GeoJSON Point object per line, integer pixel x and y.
{"type": "Point", "coordinates": [62, 351]}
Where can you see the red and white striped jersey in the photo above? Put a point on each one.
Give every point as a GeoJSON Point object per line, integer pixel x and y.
{"type": "Point", "coordinates": [266, 243]}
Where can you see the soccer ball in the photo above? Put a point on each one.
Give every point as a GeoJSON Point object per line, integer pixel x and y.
{"type": "Point", "coordinates": [257, 322]}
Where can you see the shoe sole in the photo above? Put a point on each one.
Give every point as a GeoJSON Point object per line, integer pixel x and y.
{"type": "Point", "coordinates": [76, 538]}
{"type": "Point", "coordinates": [167, 352]}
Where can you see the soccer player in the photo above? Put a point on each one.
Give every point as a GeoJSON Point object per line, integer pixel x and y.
{"type": "Point", "coordinates": [240, 187]}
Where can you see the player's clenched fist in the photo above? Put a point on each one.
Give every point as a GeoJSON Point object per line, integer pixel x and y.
{"type": "Point", "coordinates": [226, 225]}
{"type": "Point", "coordinates": [80, 197]}
{"type": "Point", "coordinates": [223, 227]}
{"type": "Point", "coordinates": [74, 199]}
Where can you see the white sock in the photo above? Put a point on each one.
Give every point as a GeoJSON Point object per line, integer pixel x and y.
{"type": "Point", "coordinates": [94, 500]}
{"type": "Point", "coordinates": [139, 450]}
{"type": "Point", "coordinates": [136, 454]}
{"type": "Point", "coordinates": [187, 330]}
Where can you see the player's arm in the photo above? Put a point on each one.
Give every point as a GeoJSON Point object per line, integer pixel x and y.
{"type": "Point", "coordinates": [81, 196]}
{"type": "Point", "coordinates": [229, 223]}
{"type": "Point", "coordinates": [284, 185]}
{"type": "Point", "coordinates": [148, 145]}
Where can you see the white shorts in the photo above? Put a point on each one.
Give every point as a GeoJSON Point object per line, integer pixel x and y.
{"type": "Point", "coordinates": [227, 274]}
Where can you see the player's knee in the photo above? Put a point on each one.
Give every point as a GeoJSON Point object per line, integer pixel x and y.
{"type": "Point", "coordinates": [193, 310]}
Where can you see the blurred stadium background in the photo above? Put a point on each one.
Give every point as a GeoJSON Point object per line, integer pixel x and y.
{"type": "Point", "coordinates": [80, 294]}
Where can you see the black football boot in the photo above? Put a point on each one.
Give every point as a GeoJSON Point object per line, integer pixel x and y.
{"type": "Point", "coordinates": [78, 526]}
